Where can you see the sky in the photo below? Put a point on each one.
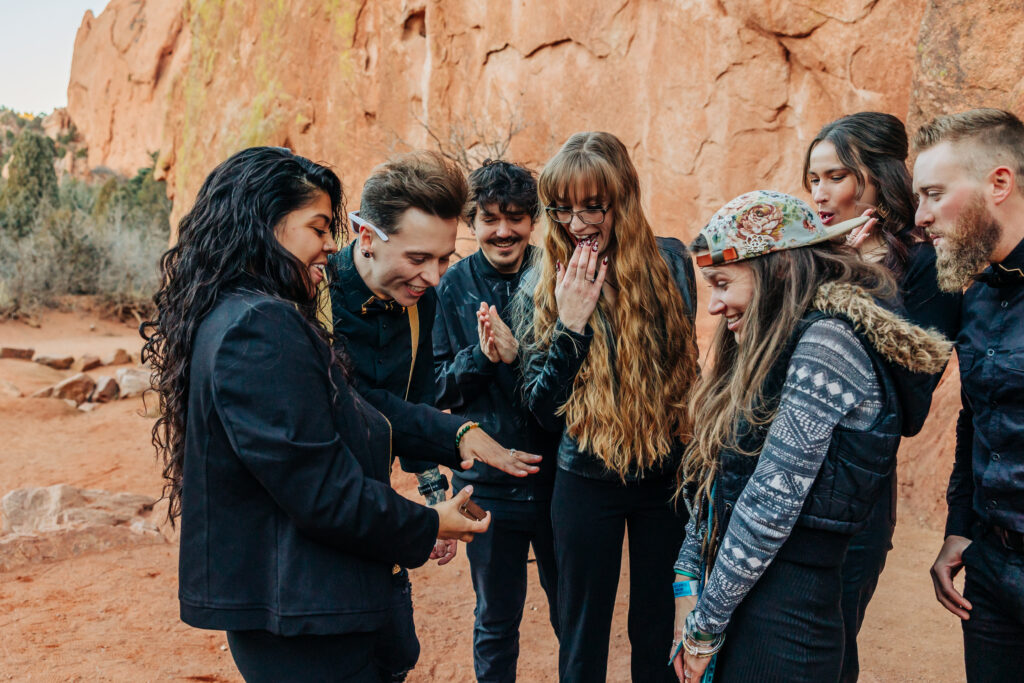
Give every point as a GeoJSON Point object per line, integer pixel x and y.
{"type": "Point", "coordinates": [37, 38]}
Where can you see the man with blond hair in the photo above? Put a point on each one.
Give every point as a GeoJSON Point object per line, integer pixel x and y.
{"type": "Point", "coordinates": [969, 177]}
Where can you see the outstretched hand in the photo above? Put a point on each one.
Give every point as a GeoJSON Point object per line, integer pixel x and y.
{"type": "Point", "coordinates": [476, 444]}
{"type": "Point", "coordinates": [578, 286]}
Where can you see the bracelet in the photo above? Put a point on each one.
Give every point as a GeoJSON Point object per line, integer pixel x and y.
{"type": "Point", "coordinates": [462, 432]}
{"type": "Point", "coordinates": [684, 589]}
{"type": "Point", "coordinates": [688, 575]}
{"type": "Point", "coordinates": [700, 644]}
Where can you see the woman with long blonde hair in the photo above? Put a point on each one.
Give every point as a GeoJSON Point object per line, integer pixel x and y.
{"type": "Point", "coordinates": [609, 354]}
{"type": "Point", "coordinates": [797, 419]}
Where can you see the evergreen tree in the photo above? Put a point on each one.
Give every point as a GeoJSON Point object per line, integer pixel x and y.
{"type": "Point", "coordinates": [32, 181]}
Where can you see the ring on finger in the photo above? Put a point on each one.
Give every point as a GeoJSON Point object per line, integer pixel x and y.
{"type": "Point", "coordinates": [512, 452]}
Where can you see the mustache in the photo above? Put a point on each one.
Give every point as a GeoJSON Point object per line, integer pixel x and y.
{"type": "Point", "coordinates": [514, 239]}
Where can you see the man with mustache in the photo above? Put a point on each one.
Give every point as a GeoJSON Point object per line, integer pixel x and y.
{"type": "Point", "coordinates": [477, 375]}
{"type": "Point", "coordinates": [969, 177]}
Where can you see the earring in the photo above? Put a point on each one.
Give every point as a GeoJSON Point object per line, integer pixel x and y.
{"type": "Point", "coordinates": [366, 253]}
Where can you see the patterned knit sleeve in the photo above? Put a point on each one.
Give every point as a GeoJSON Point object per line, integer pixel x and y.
{"type": "Point", "coordinates": [830, 381]}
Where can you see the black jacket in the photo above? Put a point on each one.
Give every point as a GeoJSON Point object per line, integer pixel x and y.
{"type": "Point", "coordinates": [987, 483]}
{"type": "Point", "coordinates": [925, 305]}
{"type": "Point", "coordinates": [549, 377]}
{"type": "Point", "coordinates": [288, 521]}
{"type": "Point", "coordinates": [379, 342]}
{"type": "Point", "coordinates": [489, 393]}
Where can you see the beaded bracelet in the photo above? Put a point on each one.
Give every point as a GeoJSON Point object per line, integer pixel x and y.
{"type": "Point", "coordinates": [462, 432]}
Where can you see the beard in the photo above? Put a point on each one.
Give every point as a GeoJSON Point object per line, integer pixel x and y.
{"type": "Point", "coordinates": [966, 251]}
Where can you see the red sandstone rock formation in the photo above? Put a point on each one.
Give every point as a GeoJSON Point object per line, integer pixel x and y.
{"type": "Point", "coordinates": [713, 97]}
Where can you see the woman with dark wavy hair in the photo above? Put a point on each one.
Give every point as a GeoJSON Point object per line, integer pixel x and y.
{"type": "Point", "coordinates": [857, 164]}
{"type": "Point", "coordinates": [277, 468]}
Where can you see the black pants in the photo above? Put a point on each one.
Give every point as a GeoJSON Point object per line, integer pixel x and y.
{"type": "Point", "coordinates": [788, 629]}
{"type": "Point", "coordinates": [397, 648]}
{"type": "Point", "coordinates": [994, 635]}
{"type": "Point", "coordinates": [864, 562]}
{"type": "Point", "coordinates": [497, 561]}
{"type": "Point", "coordinates": [263, 657]}
{"type": "Point", "coordinates": [589, 517]}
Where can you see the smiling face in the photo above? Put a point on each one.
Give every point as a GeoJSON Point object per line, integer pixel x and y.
{"type": "Point", "coordinates": [591, 205]}
{"type": "Point", "coordinates": [413, 258]}
{"type": "Point", "coordinates": [732, 289]}
{"type": "Point", "coordinates": [834, 187]}
{"type": "Point", "coordinates": [306, 234]}
{"type": "Point", "coordinates": [952, 208]}
{"type": "Point", "coordinates": [502, 235]}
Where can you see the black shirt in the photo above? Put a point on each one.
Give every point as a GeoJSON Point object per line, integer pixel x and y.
{"type": "Point", "coordinates": [377, 337]}
{"type": "Point", "coordinates": [489, 393]}
{"type": "Point", "coordinates": [987, 483]}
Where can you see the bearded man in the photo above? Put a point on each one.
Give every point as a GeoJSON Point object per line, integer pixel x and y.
{"type": "Point", "coordinates": [968, 177]}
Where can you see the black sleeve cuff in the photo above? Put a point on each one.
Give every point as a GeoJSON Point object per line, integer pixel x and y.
{"type": "Point", "coordinates": [959, 521]}
{"type": "Point", "coordinates": [483, 364]}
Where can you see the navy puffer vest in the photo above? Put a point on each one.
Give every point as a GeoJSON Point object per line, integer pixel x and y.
{"type": "Point", "coordinates": [850, 479]}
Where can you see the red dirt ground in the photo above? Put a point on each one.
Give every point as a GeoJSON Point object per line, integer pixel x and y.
{"type": "Point", "coordinates": [113, 616]}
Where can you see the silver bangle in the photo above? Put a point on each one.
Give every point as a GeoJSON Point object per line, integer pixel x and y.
{"type": "Point", "coordinates": [700, 648]}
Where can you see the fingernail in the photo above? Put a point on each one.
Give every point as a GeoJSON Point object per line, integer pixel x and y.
{"type": "Point", "coordinates": [595, 247]}
{"type": "Point", "coordinates": [605, 260]}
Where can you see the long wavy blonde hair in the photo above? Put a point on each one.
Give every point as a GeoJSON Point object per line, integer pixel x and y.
{"type": "Point", "coordinates": [729, 391]}
{"type": "Point", "coordinates": [628, 404]}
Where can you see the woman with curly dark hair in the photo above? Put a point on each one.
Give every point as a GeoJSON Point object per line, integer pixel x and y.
{"type": "Point", "coordinates": [277, 468]}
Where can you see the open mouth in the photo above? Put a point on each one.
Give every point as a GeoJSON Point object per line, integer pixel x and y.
{"type": "Point", "coordinates": [415, 290]}
{"type": "Point", "coordinates": [826, 216]}
{"type": "Point", "coordinates": [319, 271]}
{"type": "Point", "coordinates": [505, 243]}
{"type": "Point", "coordinates": [733, 322]}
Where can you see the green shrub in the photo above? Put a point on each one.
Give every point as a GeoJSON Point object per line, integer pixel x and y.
{"type": "Point", "coordinates": [104, 241]}
{"type": "Point", "coordinates": [31, 183]}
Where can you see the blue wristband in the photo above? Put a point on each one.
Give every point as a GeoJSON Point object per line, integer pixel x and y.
{"type": "Point", "coordinates": [684, 589]}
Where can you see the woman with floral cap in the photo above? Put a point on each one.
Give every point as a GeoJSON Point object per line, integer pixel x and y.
{"type": "Point", "coordinates": [796, 424]}
{"type": "Point", "coordinates": [855, 164]}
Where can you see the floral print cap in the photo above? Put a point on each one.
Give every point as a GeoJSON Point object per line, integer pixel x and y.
{"type": "Point", "coordinates": [763, 221]}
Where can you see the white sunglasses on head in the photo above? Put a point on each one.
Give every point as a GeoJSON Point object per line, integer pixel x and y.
{"type": "Point", "coordinates": [353, 216]}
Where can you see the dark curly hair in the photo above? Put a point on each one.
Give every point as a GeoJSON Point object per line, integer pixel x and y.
{"type": "Point", "coordinates": [878, 143]}
{"type": "Point", "coordinates": [227, 242]}
{"type": "Point", "coordinates": [505, 184]}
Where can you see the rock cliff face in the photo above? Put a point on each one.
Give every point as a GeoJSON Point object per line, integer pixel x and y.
{"type": "Point", "coordinates": [713, 97]}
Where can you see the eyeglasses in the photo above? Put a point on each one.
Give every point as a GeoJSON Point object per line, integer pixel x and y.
{"type": "Point", "coordinates": [589, 216]}
{"type": "Point", "coordinates": [354, 217]}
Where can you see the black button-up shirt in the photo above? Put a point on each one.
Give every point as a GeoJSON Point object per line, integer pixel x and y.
{"type": "Point", "coordinates": [987, 483]}
{"type": "Point", "coordinates": [376, 336]}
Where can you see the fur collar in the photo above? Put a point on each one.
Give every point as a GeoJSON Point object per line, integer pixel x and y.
{"type": "Point", "coordinates": [895, 338]}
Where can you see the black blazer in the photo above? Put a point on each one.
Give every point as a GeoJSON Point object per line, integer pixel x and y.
{"type": "Point", "coordinates": [288, 521]}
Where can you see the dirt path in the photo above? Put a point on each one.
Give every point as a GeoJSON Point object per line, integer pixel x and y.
{"type": "Point", "coordinates": [113, 616]}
